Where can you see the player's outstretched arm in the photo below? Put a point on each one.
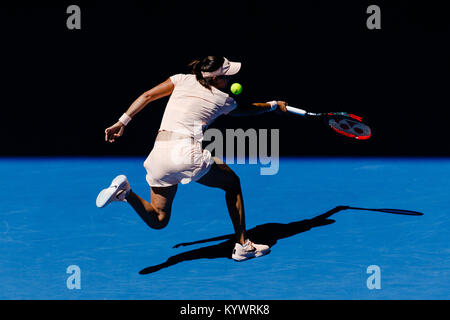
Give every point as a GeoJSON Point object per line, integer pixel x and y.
{"type": "Point", "coordinates": [258, 108]}
{"type": "Point", "coordinates": [160, 91]}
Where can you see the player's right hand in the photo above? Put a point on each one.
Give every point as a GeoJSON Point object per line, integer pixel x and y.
{"type": "Point", "coordinates": [113, 132]}
{"type": "Point", "coordinates": [282, 105]}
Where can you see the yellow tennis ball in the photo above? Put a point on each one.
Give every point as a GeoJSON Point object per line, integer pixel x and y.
{"type": "Point", "coordinates": [236, 88]}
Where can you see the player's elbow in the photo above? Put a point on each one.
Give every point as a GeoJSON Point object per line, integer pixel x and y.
{"type": "Point", "coordinates": [147, 96]}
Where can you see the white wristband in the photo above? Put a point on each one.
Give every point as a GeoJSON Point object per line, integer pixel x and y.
{"type": "Point", "coordinates": [273, 105]}
{"type": "Point", "coordinates": [125, 119]}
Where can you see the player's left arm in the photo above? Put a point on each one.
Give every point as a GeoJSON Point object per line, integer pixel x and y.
{"type": "Point", "coordinates": [258, 108]}
{"type": "Point", "coordinates": [161, 90]}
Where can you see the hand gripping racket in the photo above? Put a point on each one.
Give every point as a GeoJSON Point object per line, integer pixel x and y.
{"type": "Point", "coordinates": [343, 123]}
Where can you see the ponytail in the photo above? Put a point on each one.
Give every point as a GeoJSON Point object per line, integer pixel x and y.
{"type": "Point", "coordinates": [208, 64]}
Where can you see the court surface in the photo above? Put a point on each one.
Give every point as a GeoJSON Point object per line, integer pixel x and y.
{"type": "Point", "coordinates": [49, 221]}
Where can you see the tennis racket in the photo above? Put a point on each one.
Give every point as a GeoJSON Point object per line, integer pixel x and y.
{"type": "Point", "coordinates": [343, 123]}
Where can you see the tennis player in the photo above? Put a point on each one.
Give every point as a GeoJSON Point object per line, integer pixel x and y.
{"type": "Point", "coordinates": [177, 157]}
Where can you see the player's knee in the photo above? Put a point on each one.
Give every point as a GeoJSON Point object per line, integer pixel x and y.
{"type": "Point", "coordinates": [160, 225]}
{"type": "Point", "coordinates": [162, 219]}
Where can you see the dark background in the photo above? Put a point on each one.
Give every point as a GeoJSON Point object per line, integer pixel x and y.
{"type": "Point", "coordinates": [62, 88]}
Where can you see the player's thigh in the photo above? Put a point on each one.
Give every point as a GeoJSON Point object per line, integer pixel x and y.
{"type": "Point", "coordinates": [162, 198]}
{"type": "Point", "coordinates": [220, 176]}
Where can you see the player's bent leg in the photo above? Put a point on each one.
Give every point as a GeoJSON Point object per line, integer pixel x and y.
{"type": "Point", "coordinates": [221, 176]}
{"type": "Point", "coordinates": [156, 214]}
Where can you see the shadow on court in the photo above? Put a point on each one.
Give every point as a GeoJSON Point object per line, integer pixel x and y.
{"type": "Point", "coordinates": [268, 233]}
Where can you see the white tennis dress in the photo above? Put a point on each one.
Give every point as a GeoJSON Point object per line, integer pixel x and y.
{"type": "Point", "coordinates": [190, 110]}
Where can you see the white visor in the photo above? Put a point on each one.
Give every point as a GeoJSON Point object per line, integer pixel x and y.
{"type": "Point", "coordinates": [227, 69]}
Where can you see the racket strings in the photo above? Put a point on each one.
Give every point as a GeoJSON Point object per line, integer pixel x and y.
{"type": "Point", "coordinates": [349, 127]}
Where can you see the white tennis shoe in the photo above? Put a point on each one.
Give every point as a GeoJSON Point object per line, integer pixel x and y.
{"type": "Point", "coordinates": [117, 191]}
{"type": "Point", "coordinates": [249, 250]}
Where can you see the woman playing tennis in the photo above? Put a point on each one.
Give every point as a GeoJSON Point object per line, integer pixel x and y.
{"type": "Point", "coordinates": [177, 156]}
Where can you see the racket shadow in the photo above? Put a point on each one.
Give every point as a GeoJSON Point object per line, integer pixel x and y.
{"type": "Point", "coordinates": [268, 233]}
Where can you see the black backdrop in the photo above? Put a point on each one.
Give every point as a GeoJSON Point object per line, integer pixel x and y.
{"type": "Point", "coordinates": [62, 88]}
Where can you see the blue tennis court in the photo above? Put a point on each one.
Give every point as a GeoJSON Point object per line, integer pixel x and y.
{"type": "Point", "coordinates": [49, 222]}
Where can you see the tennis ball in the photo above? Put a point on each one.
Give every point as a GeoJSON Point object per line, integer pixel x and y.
{"type": "Point", "coordinates": [236, 88]}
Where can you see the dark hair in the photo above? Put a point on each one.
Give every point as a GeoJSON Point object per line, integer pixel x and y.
{"type": "Point", "coordinates": [207, 64]}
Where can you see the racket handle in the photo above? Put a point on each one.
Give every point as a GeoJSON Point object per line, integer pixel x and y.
{"type": "Point", "coordinates": [298, 111]}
